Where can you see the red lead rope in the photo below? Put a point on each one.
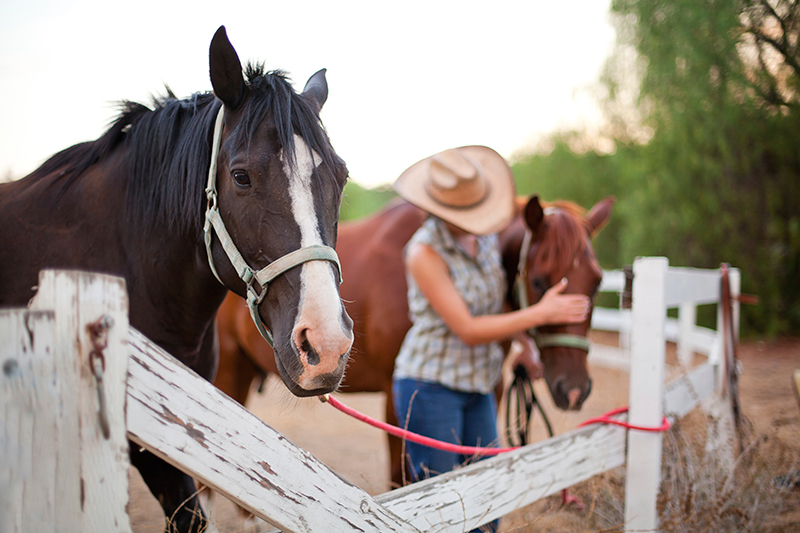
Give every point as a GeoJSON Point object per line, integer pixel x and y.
{"type": "Point", "coordinates": [605, 419]}
{"type": "Point", "coordinates": [413, 437]}
{"type": "Point", "coordinates": [475, 450]}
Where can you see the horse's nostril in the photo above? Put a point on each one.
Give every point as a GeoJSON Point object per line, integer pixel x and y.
{"type": "Point", "coordinates": [311, 354]}
{"type": "Point", "coordinates": [559, 394]}
{"type": "Point", "coordinates": [312, 357]}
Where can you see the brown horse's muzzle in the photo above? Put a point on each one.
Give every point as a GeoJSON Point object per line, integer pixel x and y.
{"type": "Point", "coordinates": [323, 361]}
{"type": "Point", "coordinates": [567, 377]}
{"type": "Point", "coordinates": [318, 346]}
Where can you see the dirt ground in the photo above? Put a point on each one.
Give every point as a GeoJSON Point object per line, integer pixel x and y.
{"type": "Point", "coordinates": [359, 453]}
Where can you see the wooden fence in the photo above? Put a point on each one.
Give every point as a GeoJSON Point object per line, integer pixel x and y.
{"type": "Point", "coordinates": [55, 444]}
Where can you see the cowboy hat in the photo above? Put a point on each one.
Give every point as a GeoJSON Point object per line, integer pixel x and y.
{"type": "Point", "coordinates": [471, 187]}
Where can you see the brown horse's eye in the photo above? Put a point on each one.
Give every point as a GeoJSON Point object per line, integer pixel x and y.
{"type": "Point", "coordinates": [241, 177]}
{"type": "Point", "coordinates": [539, 285]}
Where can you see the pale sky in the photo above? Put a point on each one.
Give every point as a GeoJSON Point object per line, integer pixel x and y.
{"type": "Point", "coordinates": [406, 79]}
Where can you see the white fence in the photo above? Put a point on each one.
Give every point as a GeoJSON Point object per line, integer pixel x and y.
{"type": "Point", "coordinates": [58, 472]}
{"type": "Point", "coordinates": [186, 421]}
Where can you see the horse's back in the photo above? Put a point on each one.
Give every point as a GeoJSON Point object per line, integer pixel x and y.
{"type": "Point", "coordinates": [45, 226]}
{"type": "Point", "coordinates": [374, 287]}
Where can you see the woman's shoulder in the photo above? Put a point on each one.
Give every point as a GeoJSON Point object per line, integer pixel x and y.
{"type": "Point", "coordinates": [426, 234]}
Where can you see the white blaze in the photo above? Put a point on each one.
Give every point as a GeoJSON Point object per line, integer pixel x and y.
{"type": "Point", "coordinates": [319, 298]}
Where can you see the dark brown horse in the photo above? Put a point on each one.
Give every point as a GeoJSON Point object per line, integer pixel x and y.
{"type": "Point", "coordinates": [133, 203]}
{"type": "Point", "coordinates": [375, 291]}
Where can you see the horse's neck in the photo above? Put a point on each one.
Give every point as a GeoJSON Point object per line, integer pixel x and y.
{"type": "Point", "coordinates": [53, 227]}
{"type": "Point", "coordinates": [172, 293]}
{"type": "Point", "coordinates": [174, 297]}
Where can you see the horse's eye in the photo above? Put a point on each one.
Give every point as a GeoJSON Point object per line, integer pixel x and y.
{"type": "Point", "coordinates": [241, 177]}
{"type": "Point", "coordinates": [539, 285]}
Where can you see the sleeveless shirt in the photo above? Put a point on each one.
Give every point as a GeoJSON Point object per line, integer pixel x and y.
{"type": "Point", "coordinates": [430, 351]}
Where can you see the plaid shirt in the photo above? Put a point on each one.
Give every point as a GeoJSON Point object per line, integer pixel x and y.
{"type": "Point", "coordinates": [430, 351]}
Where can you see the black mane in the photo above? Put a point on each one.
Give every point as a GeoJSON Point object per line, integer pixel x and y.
{"type": "Point", "coordinates": [170, 148]}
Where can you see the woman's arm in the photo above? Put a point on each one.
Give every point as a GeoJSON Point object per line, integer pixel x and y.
{"type": "Point", "coordinates": [433, 278]}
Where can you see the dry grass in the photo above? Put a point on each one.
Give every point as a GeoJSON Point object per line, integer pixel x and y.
{"type": "Point", "coordinates": [696, 496]}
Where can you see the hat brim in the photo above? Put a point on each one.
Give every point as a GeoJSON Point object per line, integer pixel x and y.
{"type": "Point", "coordinates": [491, 215]}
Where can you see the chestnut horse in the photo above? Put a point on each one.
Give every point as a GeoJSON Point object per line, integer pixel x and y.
{"type": "Point", "coordinates": [374, 288]}
{"type": "Point", "coordinates": [253, 162]}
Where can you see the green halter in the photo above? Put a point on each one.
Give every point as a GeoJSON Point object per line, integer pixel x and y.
{"type": "Point", "coordinates": [243, 270]}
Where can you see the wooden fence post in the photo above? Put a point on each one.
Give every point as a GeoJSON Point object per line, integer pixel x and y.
{"type": "Point", "coordinates": [646, 392]}
{"type": "Point", "coordinates": [718, 407]}
{"type": "Point", "coordinates": [74, 477]}
{"type": "Point", "coordinates": [735, 276]}
{"type": "Point", "coordinates": [29, 394]}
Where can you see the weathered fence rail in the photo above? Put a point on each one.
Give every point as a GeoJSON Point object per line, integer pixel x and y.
{"type": "Point", "coordinates": [186, 421]}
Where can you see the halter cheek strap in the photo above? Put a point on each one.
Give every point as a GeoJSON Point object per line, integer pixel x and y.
{"type": "Point", "coordinates": [543, 340]}
{"type": "Point", "coordinates": [215, 224]}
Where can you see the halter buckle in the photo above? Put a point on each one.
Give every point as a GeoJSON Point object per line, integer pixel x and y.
{"type": "Point", "coordinates": [252, 294]}
{"type": "Point", "coordinates": [253, 301]}
{"type": "Point", "coordinates": [211, 196]}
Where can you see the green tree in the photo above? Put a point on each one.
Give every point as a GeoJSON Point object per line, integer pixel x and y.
{"type": "Point", "coordinates": [583, 178]}
{"type": "Point", "coordinates": [720, 178]}
{"type": "Point", "coordinates": [703, 107]}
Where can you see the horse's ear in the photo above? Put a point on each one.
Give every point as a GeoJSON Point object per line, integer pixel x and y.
{"type": "Point", "coordinates": [599, 215]}
{"type": "Point", "coordinates": [317, 88]}
{"type": "Point", "coordinates": [225, 70]}
{"type": "Point", "coordinates": [534, 215]}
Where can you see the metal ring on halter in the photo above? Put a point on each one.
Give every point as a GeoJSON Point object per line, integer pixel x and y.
{"type": "Point", "coordinates": [253, 301]}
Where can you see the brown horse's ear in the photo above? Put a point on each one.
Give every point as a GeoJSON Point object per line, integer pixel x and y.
{"type": "Point", "coordinates": [534, 215]}
{"type": "Point", "coordinates": [599, 215]}
{"type": "Point", "coordinates": [317, 88]}
{"type": "Point", "coordinates": [225, 70]}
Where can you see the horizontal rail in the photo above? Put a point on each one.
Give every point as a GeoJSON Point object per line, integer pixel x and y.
{"type": "Point", "coordinates": [691, 285]}
{"type": "Point", "coordinates": [683, 285]}
{"type": "Point", "coordinates": [479, 493]}
{"type": "Point", "coordinates": [185, 420]}
{"type": "Point", "coordinates": [613, 281]}
{"type": "Point", "coordinates": [684, 393]}
{"type": "Point", "coordinates": [494, 487]}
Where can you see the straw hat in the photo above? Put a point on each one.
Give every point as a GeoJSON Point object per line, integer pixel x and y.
{"type": "Point", "coordinates": [471, 187]}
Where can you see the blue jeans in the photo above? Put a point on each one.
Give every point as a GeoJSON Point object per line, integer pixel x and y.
{"type": "Point", "coordinates": [456, 417]}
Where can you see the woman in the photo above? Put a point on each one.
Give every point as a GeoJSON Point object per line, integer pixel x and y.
{"type": "Point", "coordinates": [451, 359]}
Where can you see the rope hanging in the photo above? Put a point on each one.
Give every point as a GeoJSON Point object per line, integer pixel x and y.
{"type": "Point", "coordinates": [475, 450]}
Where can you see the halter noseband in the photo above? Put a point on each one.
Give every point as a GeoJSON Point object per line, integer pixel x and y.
{"type": "Point", "coordinates": [543, 340]}
{"type": "Point", "coordinates": [243, 270]}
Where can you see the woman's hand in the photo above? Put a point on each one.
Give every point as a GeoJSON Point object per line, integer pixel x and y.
{"type": "Point", "coordinates": [433, 278]}
{"type": "Point", "coordinates": [557, 308]}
